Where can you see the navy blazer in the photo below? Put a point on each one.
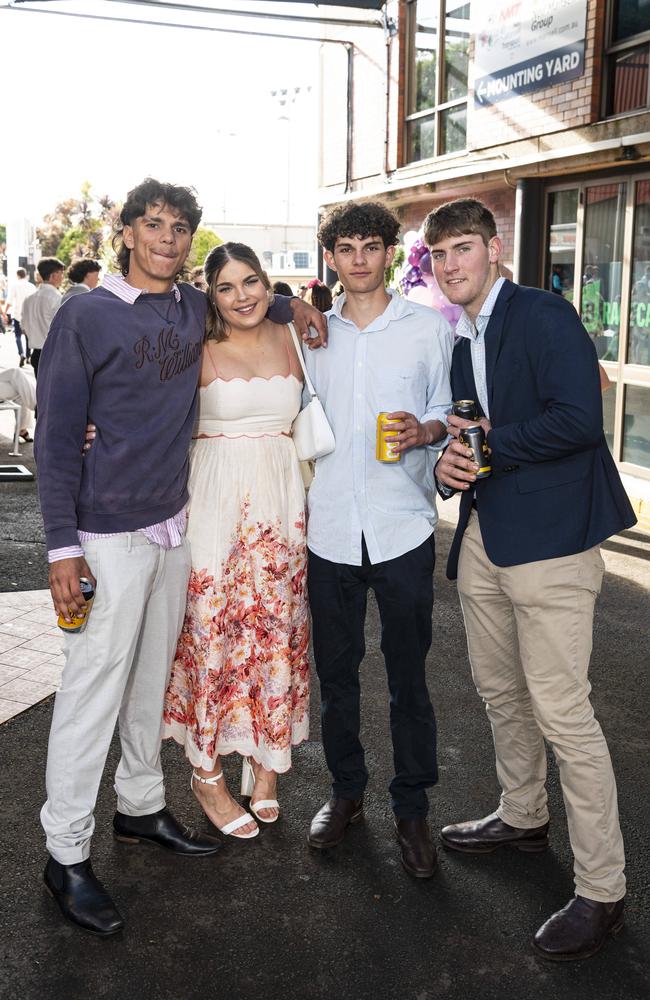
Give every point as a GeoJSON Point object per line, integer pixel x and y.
{"type": "Point", "coordinates": [554, 488]}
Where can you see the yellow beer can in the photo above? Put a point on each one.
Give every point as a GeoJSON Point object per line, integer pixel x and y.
{"type": "Point", "coordinates": [385, 451]}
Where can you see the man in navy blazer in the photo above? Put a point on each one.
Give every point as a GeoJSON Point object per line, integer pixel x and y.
{"type": "Point", "coordinates": [526, 554]}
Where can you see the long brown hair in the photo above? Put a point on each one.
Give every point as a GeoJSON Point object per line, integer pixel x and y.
{"type": "Point", "coordinates": [215, 328]}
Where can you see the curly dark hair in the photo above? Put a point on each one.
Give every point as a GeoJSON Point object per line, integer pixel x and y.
{"type": "Point", "coordinates": [359, 218]}
{"type": "Point", "coordinates": [459, 218]}
{"type": "Point", "coordinates": [153, 192]}
{"type": "Point", "coordinates": [80, 269]}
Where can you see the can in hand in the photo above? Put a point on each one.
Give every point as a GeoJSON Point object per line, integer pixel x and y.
{"type": "Point", "coordinates": [385, 450]}
{"type": "Point", "coordinates": [77, 623]}
{"type": "Point", "coordinates": [474, 438]}
{"type": "Point", "coordinates": [465, 408]}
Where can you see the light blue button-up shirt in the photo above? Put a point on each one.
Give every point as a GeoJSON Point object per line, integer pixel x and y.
{"type": "Point", "coordinates": [401, 361]}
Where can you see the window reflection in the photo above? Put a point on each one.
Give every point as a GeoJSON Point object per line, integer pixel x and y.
{"type": "Point", "coordinates": [636, 428]}
{"type": "Point", "coordinates": [639, 336]}
{"type": "Point", "coordinates": [603, 257]}
{"type": "Point", "coordinates": [563, 210]}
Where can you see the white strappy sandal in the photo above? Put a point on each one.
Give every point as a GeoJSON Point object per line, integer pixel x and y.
{"type": "Point", "coordinates": [247, 788]}
{"type": "Point", "coordinates": [236, 824]}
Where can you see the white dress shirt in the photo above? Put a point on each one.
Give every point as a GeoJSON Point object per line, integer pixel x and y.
{"type": "Point", "coordinates": [475, 333]}
{"type": "Point", "coordinates": [401, 361]}
{"type": "Point", "coordinates": [38, 312]}
{"type": "Point", "coordinates": [19, 292]}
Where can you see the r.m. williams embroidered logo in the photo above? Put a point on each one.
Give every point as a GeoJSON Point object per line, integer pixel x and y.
{"type": "Point", "coordinates": [167, 353]}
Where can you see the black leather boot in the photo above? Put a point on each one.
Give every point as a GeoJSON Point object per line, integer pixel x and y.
{"type": "Point", "coordinates": [163, 829]}
{"type": "Point", "coordinates": [82, 898]}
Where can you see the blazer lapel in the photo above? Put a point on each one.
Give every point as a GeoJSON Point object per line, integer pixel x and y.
{"type": "Point", "coordinates": [494, 333]}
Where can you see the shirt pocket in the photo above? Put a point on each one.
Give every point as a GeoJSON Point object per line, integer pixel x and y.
{"type": "Point", "coordinates": [402, 389]}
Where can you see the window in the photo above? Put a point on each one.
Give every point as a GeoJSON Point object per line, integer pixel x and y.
{"type": "Point", "coordinates": [436, 120]}
{"type": "Point", "coordinates": [301, 260]}
{"type": "Point", "coordinates": [627, 57]}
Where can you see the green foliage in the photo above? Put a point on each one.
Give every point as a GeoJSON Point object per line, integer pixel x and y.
{"type": "Point", "coordinates": [78, 226]}
{"type": "Point", "coordinates": [398, 260]}
{"type": "Point", "coordinates": [3, 235]}
{"type": "Point", "coordinates": [203, 242]}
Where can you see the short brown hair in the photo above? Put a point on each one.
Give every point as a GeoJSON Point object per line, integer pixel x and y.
{"type": "Point", "coordinates": [215, 328]}
{"type": "Point", "coordinates": [458, 218]}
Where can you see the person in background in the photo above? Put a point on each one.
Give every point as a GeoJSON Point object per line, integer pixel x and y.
{"type": "Point", "coordinates": [19, 292]}
{"type": "Point", "coordinates": [197, 278]}
{"type": "Point", "coordinates": [18, 386]}
{"type": "Point", "coordinates": [282, 288]}
{"type": "Point", "coordinates": [40, 309]}
{"type": "Point", "coordinates": [527, 556]}
{"type": "Point", "coordinates": [320, 297]}
{"type": "Point", "coordinates": [83, 275]}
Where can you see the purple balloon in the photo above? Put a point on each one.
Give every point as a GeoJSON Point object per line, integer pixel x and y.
{"type": "Point", "coordinates": [425, 263]}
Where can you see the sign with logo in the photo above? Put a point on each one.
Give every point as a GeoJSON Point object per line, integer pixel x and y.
{"type": "Point", "coordinates": [526, 45]}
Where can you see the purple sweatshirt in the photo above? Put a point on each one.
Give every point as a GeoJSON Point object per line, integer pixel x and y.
{"type": "Point", "coordinates": [132, 370]}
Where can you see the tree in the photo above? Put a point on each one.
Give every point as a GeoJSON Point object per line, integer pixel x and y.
{"type": "Point", "coordinates": [203, 242]}
{"type": "Point", "coordinates": [78, 226]}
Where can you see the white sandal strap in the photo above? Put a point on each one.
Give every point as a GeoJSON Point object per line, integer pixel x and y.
{"type": "Point", "coordinates": [237, 823]}
{"type": "Point", "coordinates": [207, 781]}
{"type": "Point", "coordinates": [265, 804]}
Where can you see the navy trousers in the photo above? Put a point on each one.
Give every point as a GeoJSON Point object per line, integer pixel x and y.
{"type": "Point", "coordinates": [338, 594]}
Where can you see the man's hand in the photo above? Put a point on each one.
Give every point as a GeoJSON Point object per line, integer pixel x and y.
{"type": "Point", "coordinates": [305, 316]}
{"type": "Point", "coordinates": [64, 585]}
{"type": "Point", "coordinates": [91, 431]}
{"type": "Point", "coordinates": [455, 467]}
{"type": "Point", "coordinates": [410, 433]}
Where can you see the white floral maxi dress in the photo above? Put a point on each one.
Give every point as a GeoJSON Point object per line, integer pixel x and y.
{"type": "Point", "coordinates": [240, 678]}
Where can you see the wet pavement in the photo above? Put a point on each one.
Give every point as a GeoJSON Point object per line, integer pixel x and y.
{"type": "Point", "coordinates": [274, 918]}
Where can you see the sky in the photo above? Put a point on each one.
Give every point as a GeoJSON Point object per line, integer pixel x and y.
{"type": "Point", "coordinates": [112, 103]}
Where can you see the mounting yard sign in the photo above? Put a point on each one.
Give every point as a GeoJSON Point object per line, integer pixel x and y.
{"type": "Point", "coordinates": [526, 45]}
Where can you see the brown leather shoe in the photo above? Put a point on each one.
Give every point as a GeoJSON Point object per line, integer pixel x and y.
{"type": "Point", "coordinates": [329, 824]}
{"type": "Point", "coordinates": [579, 930]}
{"type": "Point", "coordinates": [484, 835]}
{"type": "Point", "coordinates": [416, 847]}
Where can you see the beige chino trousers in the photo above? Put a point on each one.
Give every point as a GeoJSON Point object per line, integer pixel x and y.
{"type": "Point", "coordinates": [529, 635]}
{"type": "Point", "coordinates": [116, 669]}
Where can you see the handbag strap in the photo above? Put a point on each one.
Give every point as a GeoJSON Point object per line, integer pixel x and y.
{"type": "Point", "coordinates": [296, 344]}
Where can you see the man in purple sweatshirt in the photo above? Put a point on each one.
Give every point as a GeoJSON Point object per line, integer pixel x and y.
{"type": "Point", "coordinates": [126, 358]}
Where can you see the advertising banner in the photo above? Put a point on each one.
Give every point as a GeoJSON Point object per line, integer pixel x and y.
{"type": "Point", "coordinates": [525, 46]}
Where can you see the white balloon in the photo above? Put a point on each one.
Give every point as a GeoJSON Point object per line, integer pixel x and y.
{"type": "Point", "coordinates": [409, 239]}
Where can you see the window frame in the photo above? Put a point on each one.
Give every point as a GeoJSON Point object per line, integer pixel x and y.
{"type": "Point", "coordinates": [439, 106]}
{"type": "Point", "coordinates": [611, 51]}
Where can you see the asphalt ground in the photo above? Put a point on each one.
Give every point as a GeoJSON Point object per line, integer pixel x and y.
{"type": "Point", "coordinates": [271, 917]}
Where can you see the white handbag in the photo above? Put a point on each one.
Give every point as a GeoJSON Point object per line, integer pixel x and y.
{"type": "Point", "coordinates": [311, 432]}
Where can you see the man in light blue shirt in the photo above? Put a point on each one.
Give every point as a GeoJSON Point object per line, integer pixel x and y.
{"type": "Point", "coordinates": [371, 523]}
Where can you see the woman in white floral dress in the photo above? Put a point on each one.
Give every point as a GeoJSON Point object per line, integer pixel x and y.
{"type": "Point", "coordinates": [240, 679]}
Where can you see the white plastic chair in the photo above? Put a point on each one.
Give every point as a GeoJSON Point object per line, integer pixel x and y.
{"type": "Point", "coordinates": [7, 404]}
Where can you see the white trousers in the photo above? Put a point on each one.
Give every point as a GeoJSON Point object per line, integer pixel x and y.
{"type": "Point", "coordinates": [529, 634]}
{"type": "Point", "coordinates": [116, 669]}
{"type": "Point", "coordinates": [16, 386]}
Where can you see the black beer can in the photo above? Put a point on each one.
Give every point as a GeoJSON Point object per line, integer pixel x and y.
{"type": "Point", "coordinates": [465, 408]}
{"type": "Point", "coordinates": [474, 438]}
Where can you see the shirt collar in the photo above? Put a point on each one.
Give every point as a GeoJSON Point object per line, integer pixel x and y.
{"type": "Point", "coordinates": [118, 285]}
{"type": "Point", "coordinates": [396, 309]}
{"type": "Point", "coordinates": [465, 327]}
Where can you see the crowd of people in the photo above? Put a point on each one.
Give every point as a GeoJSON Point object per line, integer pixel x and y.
{"type": "Point", "coordinates": [186, 513]}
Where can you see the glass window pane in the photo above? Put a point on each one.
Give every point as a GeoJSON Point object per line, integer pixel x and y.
{"type": "Point", "coordinates": [456, 49]}
{"type": "Point", "coordinates": [636, 426]}
{"type": "Point", "coordinates": [609, 409]}
{"type": "Point", "coordinates": [629, 81]}
{"type": "Point", "coordinates": [453, 129]}
{"type": "Point", "coordinates": [638, 352]}
{"type": "Point", "coordinates": [563, 211]}
{"type": "Point", "coordinates": [422, 138]}
{"type": "Point", "coordinates": [603, 256]}
{"type": "Point", "coordinates": [423, 94]}
{"type": "Point", "coordinates": [630, 18]}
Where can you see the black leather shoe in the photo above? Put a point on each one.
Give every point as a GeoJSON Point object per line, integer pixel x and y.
{"type": "Point", "coordinates": [82, 898]}
{"type": "Point", "coordinates": [416, 847]}
{"type": "Point", "coordinates": [484, 835]}
{"type": "Point", "coordinates": [163, 829]}
{"type": "Point", "coordinates": [329, 824]}
{"type": "Point", "coordinates": [579, 930]}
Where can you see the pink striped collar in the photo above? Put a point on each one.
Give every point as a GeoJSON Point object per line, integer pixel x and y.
{"type": "Point", "coordinates": [118, 285]}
